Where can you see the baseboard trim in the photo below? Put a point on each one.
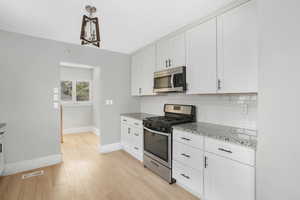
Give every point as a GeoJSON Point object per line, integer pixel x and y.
{"type": "Point", "coordinates": [13, 168]}
{"type": "Point", "coordinates": [197, 194]}
{"type": "Point", "coordinates": [110, 147]}
{"type": "Point", "coordinates": [96, 131]}
{"type": "Point", "coordinates": [78, 130]}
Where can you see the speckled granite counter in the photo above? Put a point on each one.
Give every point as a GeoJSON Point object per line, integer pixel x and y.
{"type": "Point", "coordinates": [2, 125]}
{"type": "Point", "coordinates": [138, 116]}
{"type": "Point", "coordinates": [240, 136]}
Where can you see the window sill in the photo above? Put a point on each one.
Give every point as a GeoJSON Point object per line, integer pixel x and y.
{"type": "Point", "coordinates": [77, 104]}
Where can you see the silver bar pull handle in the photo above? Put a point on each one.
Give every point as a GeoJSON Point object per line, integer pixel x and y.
{"type": "Point", "coordinates": [185, 176]}
{"type": "Point", "coordinates": [186, 155]}
{"type": "Point", "coordinates": [225, 150]}
{"type": "Point", "coordinates": [184, 138]}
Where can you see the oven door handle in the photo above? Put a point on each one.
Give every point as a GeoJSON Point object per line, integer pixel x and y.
{"type": "Point", "coordinates": [157, 132]}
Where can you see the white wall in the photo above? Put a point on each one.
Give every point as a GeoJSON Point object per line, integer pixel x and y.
{"type": "Point", "coordinates": [231, 110]}
{"type": "Point", "coordinates": [278, 155]}
{"type": "Point", "coordinates": [29, 70]}
{"type": "Point", "coordinates": [76, 116]}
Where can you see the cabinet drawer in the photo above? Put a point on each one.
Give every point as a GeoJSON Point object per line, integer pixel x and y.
{"type": "Point", "coordinates": [125, 120]}
{"type": "Point", "coordinates": [136, 123]}
{"type": "Point", "coordinates": [131, 121]}
{"type": "Point", "coordinates": [137, 137]}
{"type": "Point", "coordinates": [187, 155]}
{"type": "Point", "coordinates": [137, 152]}
{"type": "Point", "coordinates": [188, 138]}
{"type": "Point", "coordinates": [188, 177]}
{"type": "Point", "coordinates": [232, 151]}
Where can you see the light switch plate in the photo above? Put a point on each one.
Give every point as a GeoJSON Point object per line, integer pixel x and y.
{"type": "Point", "coordinates": [55, 90]}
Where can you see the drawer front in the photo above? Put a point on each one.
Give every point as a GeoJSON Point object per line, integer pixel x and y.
{"type": "Point", "coordinates": [125, 120]}
{"type": "Point", "coordinates": [187, 138]}
{"type": "Point", "coordinates": [187, 155]}
{"type": "Point", "coordinates": [136, 123]}
{"type": "Point", "coordinates": [232, 151]}
{"type": "Point", "coordinates": [137, 152]}
{"type": "Point", "coordinates": [137, 137]}
{"type": "Point", "coordinates": [190, 178]}
{"type": "Point", "coordinates": [131, 121]}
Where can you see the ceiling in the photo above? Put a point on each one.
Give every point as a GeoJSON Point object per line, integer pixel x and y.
{"type": "Point", "coordinates": [125, 25]}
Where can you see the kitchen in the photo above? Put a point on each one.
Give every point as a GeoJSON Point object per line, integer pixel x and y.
{"type": "Point", "coordinates": [205, 59]}
{"type": "Point", "coordinates": [198, 104]}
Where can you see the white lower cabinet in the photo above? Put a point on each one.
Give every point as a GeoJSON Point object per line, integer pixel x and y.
{"type": "Point", "coordinates": [189, 178]}
{"type": "Point", "coordinates": [212, 169]}
{"type": "Point", "coordinates": [132, 137]}
{"type": "Point", "coordinates": [188, 167]}
{"type": "Point", "coordinates": [225, 179]}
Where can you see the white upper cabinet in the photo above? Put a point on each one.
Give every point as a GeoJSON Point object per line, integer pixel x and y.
{"type": "Point", "coordinates": [136, 69]}
{"type": "Point", "coordinates": [201, 60]}
{"type": "Point", "coordinates": [237, 50]}
{"type": "Point", "coordinates": [142, 69]}
{"type": "Point", "coordinates": [170, 52]}
{"type": "Point", "coordinates": [148, 68]}
{"type": "Point", "coordinates": [227, 179]}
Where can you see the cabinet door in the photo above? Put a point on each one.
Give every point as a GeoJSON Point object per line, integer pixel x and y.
{"type": "Point", "coordinates": [162, 54]}
{"type": "Point", "coordinates": [177, 50]}
{"type": "Point", "coordinates": [237, 50]}
{"type": "Point", "coordinates": [202, 58]}
{"type": "Point", "coordinates": [148, 68]}
{"type": "Point", "coordinates": [228, 180]}
{"type": "Point", "coordinates": [136, 61]}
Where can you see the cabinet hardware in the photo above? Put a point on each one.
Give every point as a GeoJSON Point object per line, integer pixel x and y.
{"type": "Point", "coordinates": [205, 162]}
{"type": "Point", "coordinates": [166, 63]}
{"type": "Point", "coordinates": [136, 148]}
{"type": "Point", "coordinates": [185, 176]}
{"type": "Point", "coordinates": [219, 84]}
{"type": "Point", "coordinates": [140, 90]}
{"type": "Point", "coordinates": [187, 139]}
{"type": "Point", "coordinates": [136, 124]}
{"type": "Point", "coordinates": [169, 62]}
{"type": "Point", "coordinates": [129, 130]}
{"type": "Point", "coordinates": [225, 150]}
{"type": "Point", "coordinates": [185, 155]}
{"type": "Point", "coordinates": [154, 163]}
{"type": "Point", "coordinates": [1, 148]}
{"type": "Point", "coordinates": [136, 134]}
{"type": "Point", "coordinates": [124, 120]}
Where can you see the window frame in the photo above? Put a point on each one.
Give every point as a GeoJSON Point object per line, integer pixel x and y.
{"type": "Point", "coordinates": [74, 101]}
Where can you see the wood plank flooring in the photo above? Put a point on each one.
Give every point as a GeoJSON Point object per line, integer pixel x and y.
{"type": "Point", "coordinates": [87, 175]}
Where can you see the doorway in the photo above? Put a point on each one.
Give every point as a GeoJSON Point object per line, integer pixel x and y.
{"type": "Point", "coordinates": [79, 100]}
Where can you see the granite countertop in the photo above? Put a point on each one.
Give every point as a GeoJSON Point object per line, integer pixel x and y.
{"type": "Point", "coordinates": [240, 136]}
{"type": "Point", "coordinates": [138, 116]}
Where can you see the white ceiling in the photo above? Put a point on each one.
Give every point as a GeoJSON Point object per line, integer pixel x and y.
{"type": "Point", "coordinates": [125, 25]}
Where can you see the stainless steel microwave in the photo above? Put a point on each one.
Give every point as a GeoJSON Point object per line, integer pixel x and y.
{"type": "Point", "coordinates": [170, 80]}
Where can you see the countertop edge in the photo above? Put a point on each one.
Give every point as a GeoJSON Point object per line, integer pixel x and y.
{"type": "Point", "coordinates": [196, 132]}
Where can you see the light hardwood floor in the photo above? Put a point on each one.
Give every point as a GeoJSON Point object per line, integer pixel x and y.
{"type": "Point", "coordinates": [87, 175]}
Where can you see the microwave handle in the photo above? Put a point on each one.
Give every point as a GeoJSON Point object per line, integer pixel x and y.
{"type": "Point", "coordinates": [172, 80]}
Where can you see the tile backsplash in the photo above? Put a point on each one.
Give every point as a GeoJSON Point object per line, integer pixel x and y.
{"type": "Point", "coordinates": [236, 110]}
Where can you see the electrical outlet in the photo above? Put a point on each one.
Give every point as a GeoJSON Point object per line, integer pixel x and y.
{"type": "Point", "coordinates": [55, 97]}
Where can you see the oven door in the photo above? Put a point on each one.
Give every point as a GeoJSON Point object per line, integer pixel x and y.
{"type": "Point", "coordinates": [157, 145]}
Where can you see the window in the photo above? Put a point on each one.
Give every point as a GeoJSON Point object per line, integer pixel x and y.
{"type": "Point", "coordinates": [82, 91]}
{"type": "Point", "coordinates": [75, 91]}
{"type": "Point", "coordinates": [66, 90]}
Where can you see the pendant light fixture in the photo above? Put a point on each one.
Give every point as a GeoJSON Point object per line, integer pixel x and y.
{"type": "Point", "coordinates": [90, 34]}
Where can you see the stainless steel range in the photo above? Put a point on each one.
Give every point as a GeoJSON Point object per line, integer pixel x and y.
{"type": "Point", "coordinates": [158, 138]}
